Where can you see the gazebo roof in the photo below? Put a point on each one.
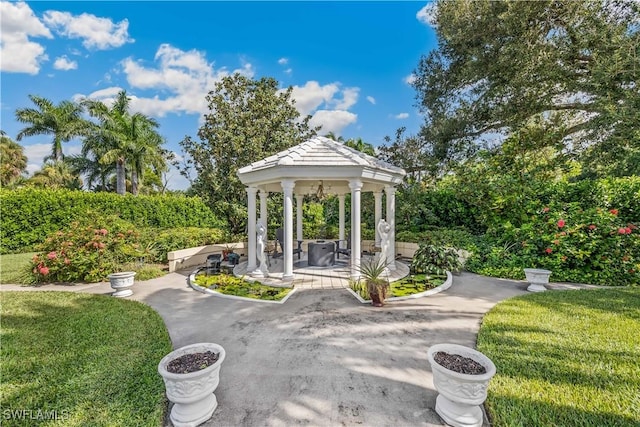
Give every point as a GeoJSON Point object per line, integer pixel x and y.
{"type": "Point", "coordinates": [320, 158]}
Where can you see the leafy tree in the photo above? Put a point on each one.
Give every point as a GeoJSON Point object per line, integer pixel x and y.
{"type": "Point", "coordinates": [500, 64]}
{"type": "Point", "coordinates": [122, 137]}
{"type": "Point", "coordinates": [64, 121]}
{"type": "Point", "coordinates": [55, 175]}
{"type": "Point", "coordinates": [13, 162]}
{"type": "Point", "coordinates": [360, 145]}
{"type": "Point", "coordinates": [248, 120]}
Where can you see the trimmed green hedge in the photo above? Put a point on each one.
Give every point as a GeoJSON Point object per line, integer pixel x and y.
{"type": "Point", "coordinates": [30, 215]}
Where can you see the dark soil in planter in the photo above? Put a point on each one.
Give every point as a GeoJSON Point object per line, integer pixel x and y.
{"type": "Point", "coordinates": [459, 364]}
{"type": "Point", "coordinates": [192, 362]}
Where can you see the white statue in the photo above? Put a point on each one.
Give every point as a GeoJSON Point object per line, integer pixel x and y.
{"type": "Point", "coordinates": [383, 230]}
{"type": "Point", "coordinates": [261, 241]}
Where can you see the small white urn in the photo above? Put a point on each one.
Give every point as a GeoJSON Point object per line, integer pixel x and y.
{"type": "Point", "coordinates": [460, 395]}
{"type": "Point", "coordinates": [537, 279]}
{"type": "Point", "coordinates": [121, 283]}
{"type": "Point", "coordinates": [192, 393]}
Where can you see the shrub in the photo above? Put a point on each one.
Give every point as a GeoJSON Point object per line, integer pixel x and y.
{"type": "Point", "coordinates": [88, 250]}
{"type": "Point", "coordinates": [578, 245]}
{"type": "Point", "coordinates": [165, 241]}
{"type": "Point", "coordinates": [435, 260]}
{"type": "Point", "coordinates": [29, 214]}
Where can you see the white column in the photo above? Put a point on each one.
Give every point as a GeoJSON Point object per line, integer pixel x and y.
{"type": "Point", "coordinates": [251, 227]}
{"type": "Point", "coordinates": [341, 218]}
{"type": "Point", "coordinates": [263, 210]}
{"type": "Point", "coordinates": [390, 193]}
{"type": "Point", "coordinates": [299, 200]}
{"type": "Point", "coordinates": [377, 196]}
{"type": "Point", "coordinates": [287, 187]}
{"type": "Point", "coordinates": [356, 189]}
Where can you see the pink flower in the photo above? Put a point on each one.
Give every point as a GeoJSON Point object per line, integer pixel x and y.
{"type": "Point", "coordinates": [627, 230]}
{"type": "Point", "coordinates": [103, 231]}
{"type": "Point", "coordinates": [43, 270]}
{"type": "Point", "coordinates": [613, 211]}
{"type": "Point", "coordinates": [561, 223]}
{"type": "Point", "coordinates": [548, 250]}
{"type": "Point", "coordinates": [556, 242]}
{"type": "Point", "coordinates": [545, 209]}
{"type": "Point", "coordinates": [67, 261]}
{"type": "Point", "coordinates": [622, 230]}
{"type": "Point", "coordinates": [592, 227]}
{"type": "Point", "coordinates": [52, 255]}
{"type": "Point", "coordinates": [101, 245]}
{"type": "Point", "coordinates": [563, 233]}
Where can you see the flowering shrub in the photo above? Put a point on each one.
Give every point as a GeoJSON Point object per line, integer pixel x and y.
{"type": "Point", "coordinates": [86, 252]}
{"type": "Point", "coordinates": [578, 245]}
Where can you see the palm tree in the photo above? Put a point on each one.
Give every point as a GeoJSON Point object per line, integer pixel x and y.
{"type": "Point", "coordinates": [360, 145]}
{"type": "Point", "coordinates": [333, 136]}
{"type": "Point", "coordinates": [64, 121]}
{"type": "Point", "coordinates": [13, 162]}
{"type": "Point", "coordinates": [123, 137]}
{"type": "Point", "coordinates": [55, 175]}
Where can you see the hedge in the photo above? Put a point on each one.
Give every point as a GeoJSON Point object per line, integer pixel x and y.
{"type": "Point", "coordinates": [29, 215]}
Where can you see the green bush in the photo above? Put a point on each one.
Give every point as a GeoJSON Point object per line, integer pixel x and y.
{"type": "Point", "coordinates": [29, 214]}
{"type": "Point", "coordinates": [459, 238]}
{"type": "Point", "coordinates": [435, 260]}
{"type": "Point", "coordinates": [578, 245]}
{"type": "Point", "coordinates": [165, 241]}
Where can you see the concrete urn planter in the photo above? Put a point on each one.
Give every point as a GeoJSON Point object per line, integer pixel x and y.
{"type": "Point", "coordinates": [537, 279]}
{"type": "Point", "coordinates": [460, 395]}
{"type": "Point", "coordinates": [121, 283]}
{"type": "Point", "coordinates": [192, 393]}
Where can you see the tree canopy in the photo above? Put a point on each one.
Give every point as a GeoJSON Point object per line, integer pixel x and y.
{"type": "Point", "coordinates": [247, 120]}
{"type": "Point", "coordinates": [501, 64]}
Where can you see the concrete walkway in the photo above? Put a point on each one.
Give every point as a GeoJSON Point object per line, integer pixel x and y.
{"type": "Point", "coordinates": [322, 358]}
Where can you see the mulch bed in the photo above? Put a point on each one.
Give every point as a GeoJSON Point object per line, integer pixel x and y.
{"type": "Point", "coordinates": [460, 364]}
{"type": "Point", "coordinates": [192, 362]}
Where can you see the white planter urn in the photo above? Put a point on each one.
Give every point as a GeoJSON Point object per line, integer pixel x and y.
{"type": "Point", "coordinates": [121, 283]}
{"type": "Point", "coordinates": [192, 393]}
{"type": "Point", "coordinates": [460, 395]}
{"type": "Point", "coordinates": [537, 278]}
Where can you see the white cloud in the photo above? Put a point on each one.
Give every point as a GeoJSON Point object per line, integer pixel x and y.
{"type": "Point", "coordinates": [17, 24]}
{"type": "Point", "coordinates": [185, 75]}
{"type": "Point", "coordinates": [37, 152]}
{"type": "Point", "coordinates": [95, 32]}
{"type": "Point", "coordinates": [371, 99]}
{"type": "Point", "coordinates": [410, 79]}
{"type": "Point", "coordinates": [333, 120]}
{"type": "Point", "coordinates": [311, 96]}
{"type": "Point", "coordinates": [283, 61]}
{"type": "Point", "coordinates": [288, 71]}
{"type": "Point", "coordinates": [401, 116]}
{"type": "Point", "coordinates": [63, 63]}
{"type": "Point", "coordinates": [349, 98]}
{"type": "Point", "coordinates": [107, 95]}
{"type": "Point", "coordinates": [427, 15]}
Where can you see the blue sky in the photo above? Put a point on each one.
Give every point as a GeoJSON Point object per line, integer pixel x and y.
{"type": "Point", "coordinates": [349, 62]}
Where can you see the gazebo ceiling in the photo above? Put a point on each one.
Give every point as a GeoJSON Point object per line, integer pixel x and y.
{"type": "Point", "coordinates": [320, 159]}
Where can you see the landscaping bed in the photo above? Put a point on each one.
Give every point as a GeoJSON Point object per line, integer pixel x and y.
{"type": "Point", "coordinates": [86, 359]}
{"type": "Point", "coordinates": [568, 358]}
{"type": "Point", "coordinates": [227, 284]}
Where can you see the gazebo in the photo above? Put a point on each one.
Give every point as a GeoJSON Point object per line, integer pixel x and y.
{"type": "Point", "coordinates": [321, 166]}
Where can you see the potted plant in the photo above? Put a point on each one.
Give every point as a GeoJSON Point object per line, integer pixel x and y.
{"type": "Point", "coordinates": [121, 283]}
{"type": "Point", "coordinates": [374, 273]}
{"type": "Point", "coordinates": [537, 279]}
{"type": "Point", "coordinates": [191, 374]}
{"type": "Point", "coordinates": [228, 249]}
{"type": "Point", "coordinates": [461, 376]}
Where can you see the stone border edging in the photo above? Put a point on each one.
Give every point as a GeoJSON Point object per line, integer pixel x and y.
{"type": "Point", "coordinates": [193, 285]}
{"type": "Point", "coordinates": [446, 285]}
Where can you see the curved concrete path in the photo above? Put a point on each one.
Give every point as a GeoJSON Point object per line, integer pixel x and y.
{"type": "Point", "coordinates": [322, 358]}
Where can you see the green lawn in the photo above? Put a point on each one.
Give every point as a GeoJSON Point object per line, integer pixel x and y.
{"type": "Point", "coordinates": [13, 268]}
{"type": "Point", "coordinates": [568, 358]}
{"type": "Point", "coordinates": [89, 359]}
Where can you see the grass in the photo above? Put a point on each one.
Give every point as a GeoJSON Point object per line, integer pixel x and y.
{"type": "Point", "coordinates": [14, 268]}
{"type": "Point", "coordinates": [90, 358]}
{"type": "Point", "coordinates": [231, 285]}
{"type": "Point", "coordinates": [406, 286]}
{"type": "Point", "coordinates": [567, 358]}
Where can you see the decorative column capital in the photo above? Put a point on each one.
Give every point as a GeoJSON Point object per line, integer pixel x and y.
{"type": "Point", "coordinates": [288, 185]}
{"type": "Point", "coordinates": [264, 193]}
{"type": "Point", "coordinates": [299, 197]}
{"type": "Point", "coordinates": [341, 196]}
{"type": "Point", "coordinates": [377, 193]}
{"type": "Point", "coordinates": [251, 191]}
{"type": "Point", "coordinates": [355, 184]}
{"type": "Point", "coordinates": [390, 190]}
